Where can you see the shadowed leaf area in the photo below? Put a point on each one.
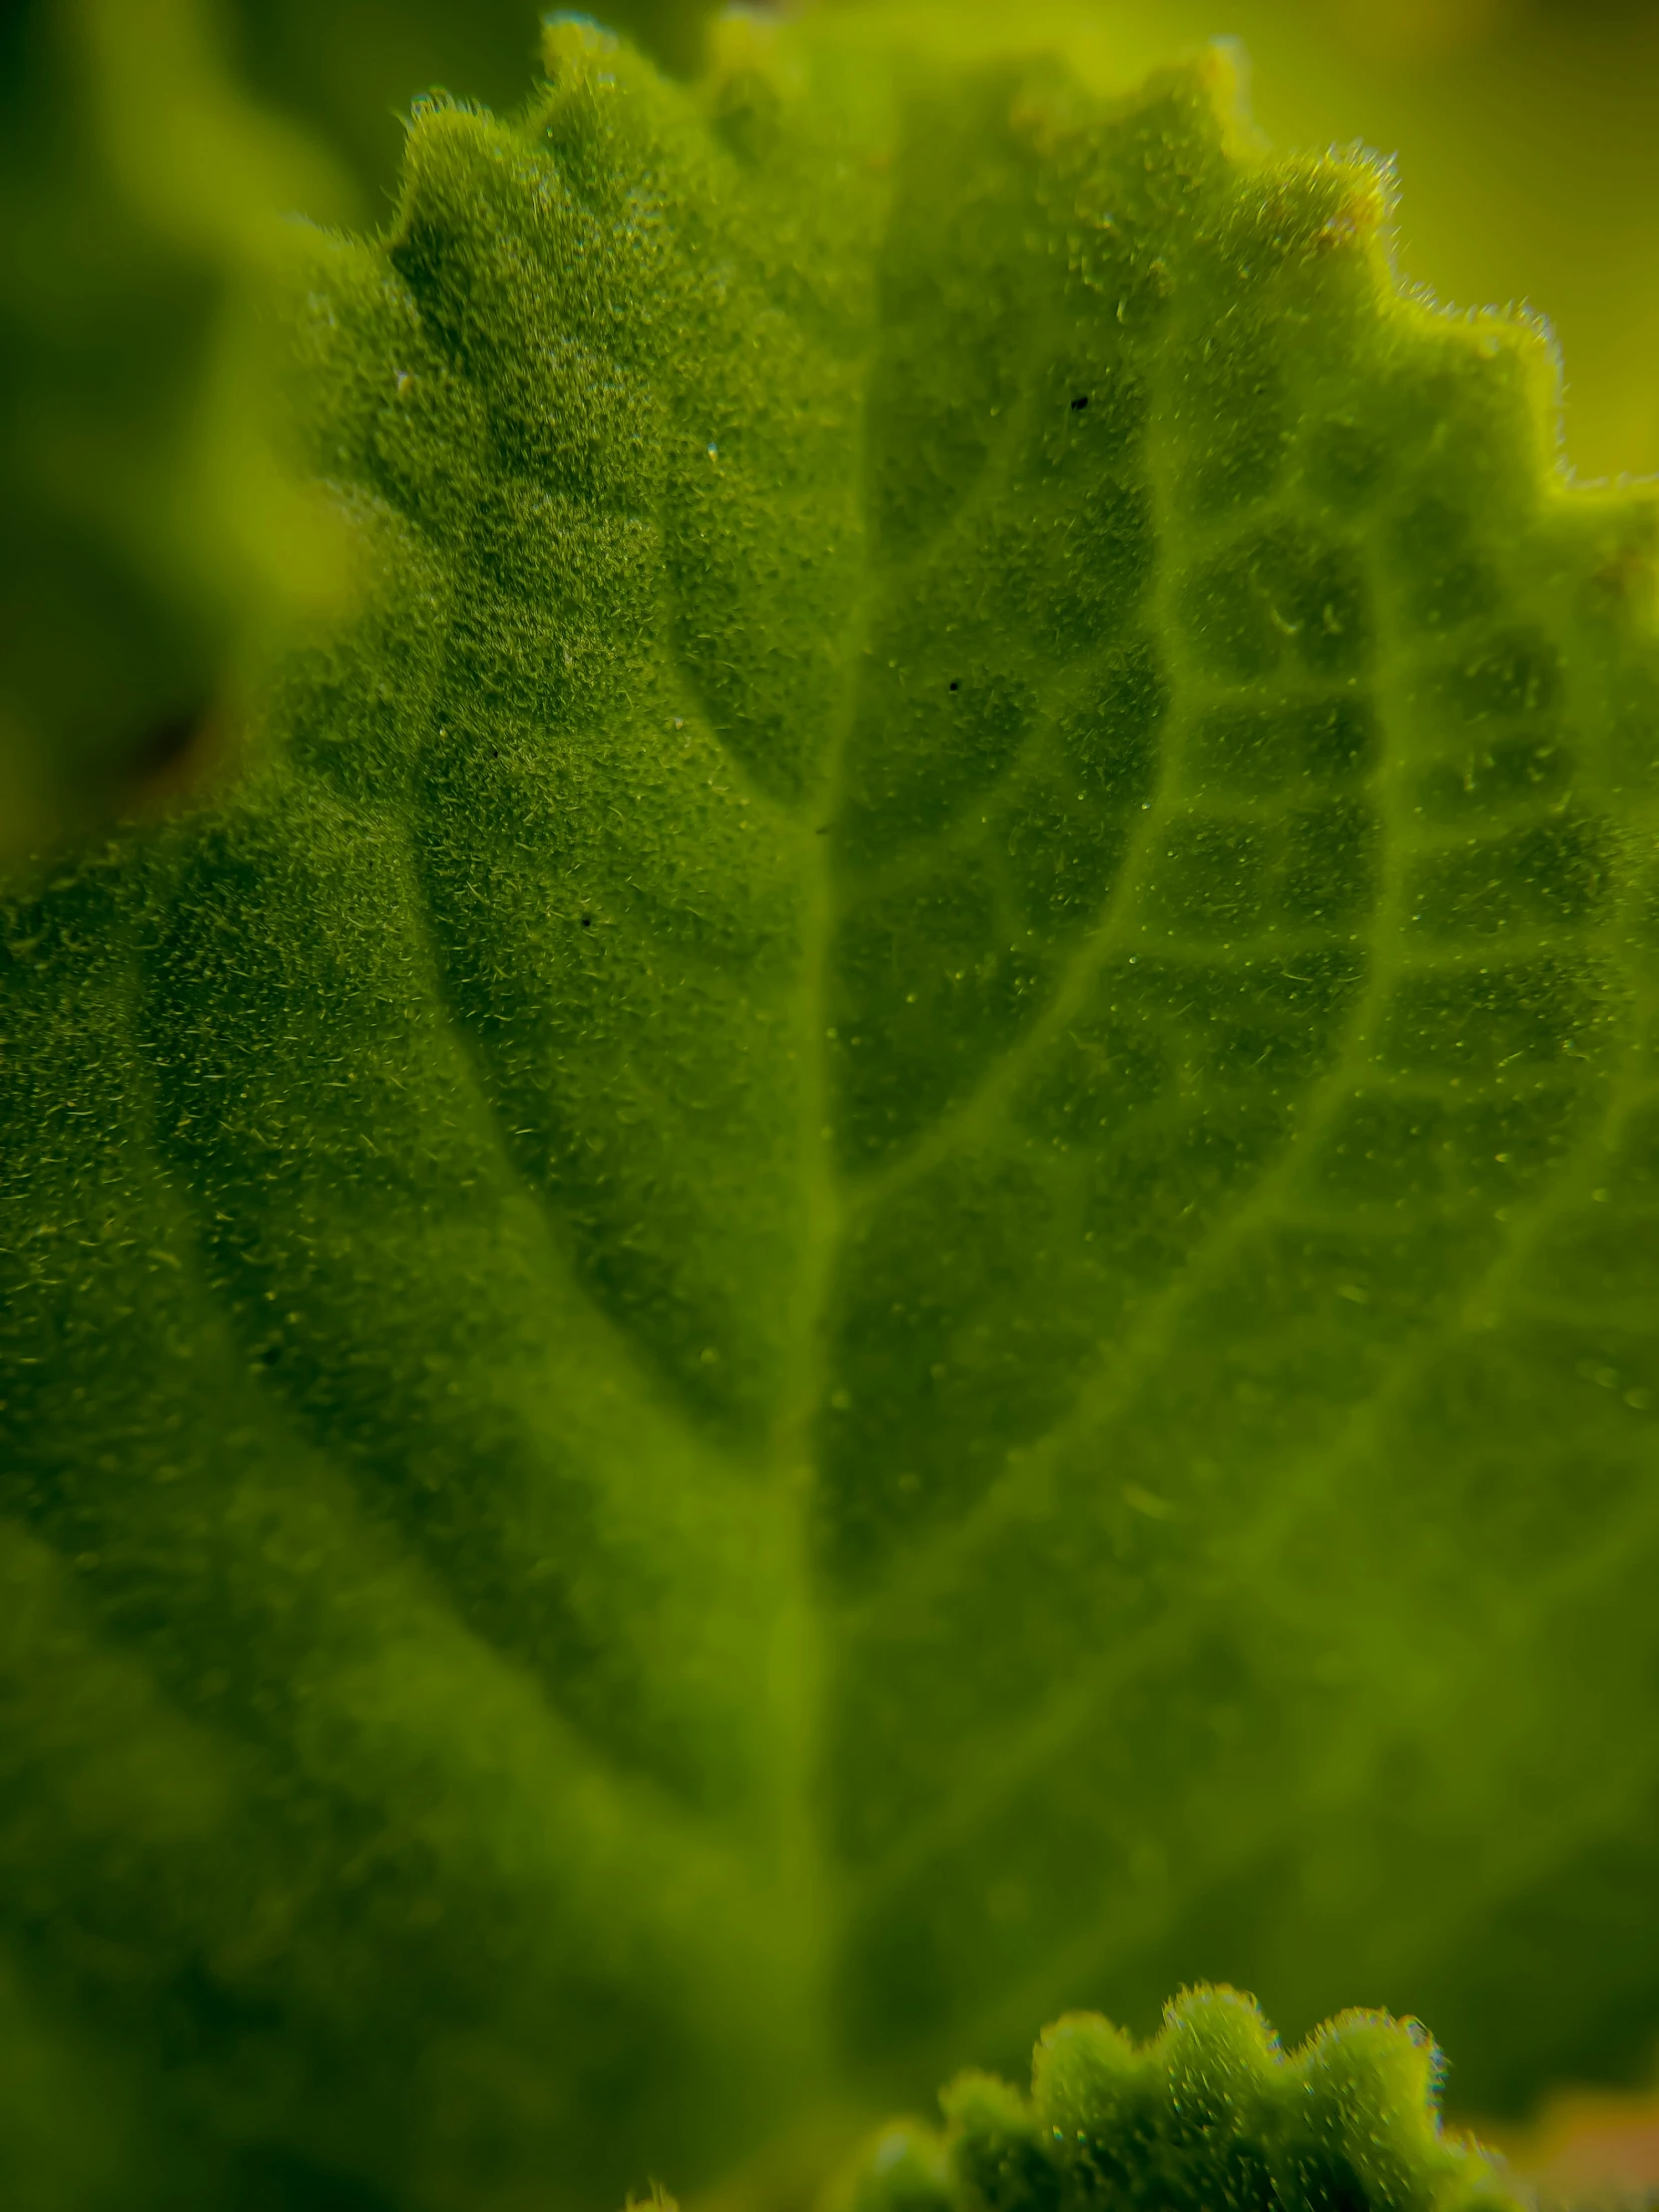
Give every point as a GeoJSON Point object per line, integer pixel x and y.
{"type": "Point", "coordinates": [872, 1243]}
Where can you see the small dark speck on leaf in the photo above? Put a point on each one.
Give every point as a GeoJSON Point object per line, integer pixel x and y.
{"type": "Point", "coordinates": [823, 829]}
{"type": "Point", "coordinates": [956, 682]}
{"type": "Point", "coordinates": [587, 922]}
{"type": "Point", "coordinates": [1080, 402]}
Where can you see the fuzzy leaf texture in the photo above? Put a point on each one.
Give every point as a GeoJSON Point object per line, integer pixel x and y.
{"type": "Point", "coordinates": [873, 1247]}
{"type": "Point", "coordinates": [1209, 2118]}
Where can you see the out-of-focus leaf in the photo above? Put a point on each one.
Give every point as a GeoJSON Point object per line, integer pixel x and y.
{"type": "Point", "coordinates": [148, 527]}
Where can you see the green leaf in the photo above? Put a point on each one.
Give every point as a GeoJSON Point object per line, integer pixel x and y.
{"type": "Point", "coordinates": [872, 1246]}
{"type": "Point", "coordinates": [1210, 2113]}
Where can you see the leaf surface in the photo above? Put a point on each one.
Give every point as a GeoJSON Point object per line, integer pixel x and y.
{"type": "Point", "coordinates": [1209, 2112]}
{"type": "Point", "coordinates": [874, 1248]}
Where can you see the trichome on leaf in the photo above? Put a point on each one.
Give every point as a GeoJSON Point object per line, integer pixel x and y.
{"type": "Point", "coordinates": [1209, 2118]}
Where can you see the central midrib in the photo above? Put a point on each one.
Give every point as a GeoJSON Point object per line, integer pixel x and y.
{"type": "Point", "coordinates": [810, 1873]}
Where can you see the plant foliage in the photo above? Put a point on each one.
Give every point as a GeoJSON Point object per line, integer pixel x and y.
{"type": "Point", "coordinates": [872, 1243]}
{"type": "Point", "coordinates": [1209, 2118]}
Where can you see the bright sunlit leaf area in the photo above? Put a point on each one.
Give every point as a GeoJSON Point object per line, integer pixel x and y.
{"type": "Point", "coordinates": [829, 1109]}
